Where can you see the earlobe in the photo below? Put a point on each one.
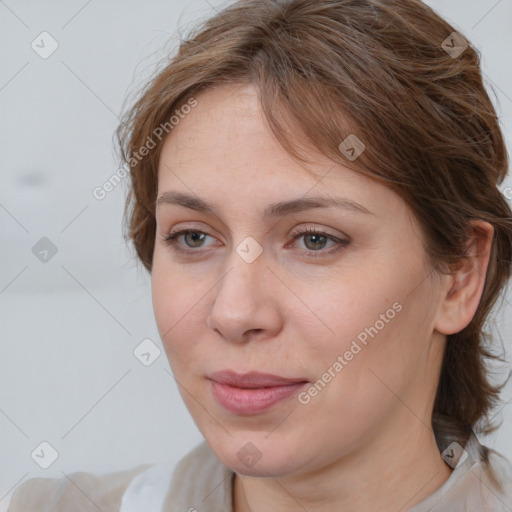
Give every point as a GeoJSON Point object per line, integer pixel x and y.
{"type": "Point", "coordinates": [464, 287]}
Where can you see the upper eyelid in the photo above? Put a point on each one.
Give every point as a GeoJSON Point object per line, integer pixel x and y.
{"type": "Point", "coordinates": [339, 243]}
{"type": "Point", "coordinates": [300, 232]}
{"type": "Point", "coordinates": [293, 233]}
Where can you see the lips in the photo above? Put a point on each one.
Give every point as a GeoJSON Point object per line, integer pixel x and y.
{"type": "Point", "coordinates": [252, 380]}
{"type": "Point", "coordinates": [252, 392]}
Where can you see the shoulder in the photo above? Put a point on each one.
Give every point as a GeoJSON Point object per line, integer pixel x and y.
{"type": "Point", "coordinates": [76, 491]}
{"type": "Point", "coordinates": [484, 485]}
{"type": "Point", "coordinates": [201, 481]}
{"type": "Point", "coordinates": [497, 478]}
{"type": "Point", "coordinates": [201, 458]}
{"type": "Point", "coordinates": [481, 480]}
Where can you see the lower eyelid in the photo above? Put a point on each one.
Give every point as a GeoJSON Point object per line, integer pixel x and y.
{"type": "Point", "coordinates": [172, 237]}
{"type": "Point", "coordinates": [170, 240]}
{"type": "Point", "coordinates": [339, 244]}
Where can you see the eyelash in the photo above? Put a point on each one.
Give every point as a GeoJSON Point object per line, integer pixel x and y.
{"type": "Point", "coordinates": [170, 240]}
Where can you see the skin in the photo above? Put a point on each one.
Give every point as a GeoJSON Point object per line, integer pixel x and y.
{"type": "Point", "coordinates": [364, 442]}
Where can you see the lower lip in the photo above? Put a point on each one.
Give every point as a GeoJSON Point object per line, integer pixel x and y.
{"type": "Point", "coordinates": [251, 401]}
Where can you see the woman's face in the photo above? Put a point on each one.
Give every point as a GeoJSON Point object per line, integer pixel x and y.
{"type": "Point", "coordinates": [348, 310]}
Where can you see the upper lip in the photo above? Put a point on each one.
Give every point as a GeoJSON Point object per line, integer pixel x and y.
{"type": "Point", "coordinates": [252, 379]}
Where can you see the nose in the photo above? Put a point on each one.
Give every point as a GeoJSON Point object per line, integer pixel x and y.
{"type": "Point", "coordinates": [246, 302]}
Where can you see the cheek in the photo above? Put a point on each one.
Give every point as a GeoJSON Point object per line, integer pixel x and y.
{"type": "Point", "coordinates": [357, 326]}
{"type": "Point", "coordinates": [351, 392]}
{"type": "Point", "coordinates": [178, 304]}
{"type": "Point", "coordinates": [347, 309]}
{"type": "Point", "coordinates": [381, 346]}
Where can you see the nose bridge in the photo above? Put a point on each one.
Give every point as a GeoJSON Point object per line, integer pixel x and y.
{"type": "Point", "coordinates": [239, 286]}
{"type": "Point", "coordinates": [242, 296]}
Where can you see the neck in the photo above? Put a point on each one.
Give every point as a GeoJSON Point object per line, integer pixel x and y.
{"type": "Point", "coordinates": [384, 476]}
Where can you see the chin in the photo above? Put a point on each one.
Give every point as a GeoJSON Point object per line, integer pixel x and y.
{"type": "Point", "coordinates": [250, 454]}
{"type": "Point", "coordinates": [263, 468]}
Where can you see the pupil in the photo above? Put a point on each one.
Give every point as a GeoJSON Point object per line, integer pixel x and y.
{"type": "Point", "coordinates": [196, 237]}
{"type": "Point", "coordinates": [317, 237]}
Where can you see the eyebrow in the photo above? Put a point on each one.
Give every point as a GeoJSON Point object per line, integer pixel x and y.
{"type": "Point", "coordinates": [280, 209]}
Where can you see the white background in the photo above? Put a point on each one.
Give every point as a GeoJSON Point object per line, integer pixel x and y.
{"type": "Point", "coordinates": [68, 327]}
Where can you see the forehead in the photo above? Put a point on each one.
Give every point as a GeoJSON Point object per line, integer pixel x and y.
{"type": "Point", "coordinates": [224, 148]}
{"type": "Point", "coordinates": [227, 130]}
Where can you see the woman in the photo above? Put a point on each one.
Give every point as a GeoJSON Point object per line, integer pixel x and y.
{"type": "Point", "coordinates": [314, 192]}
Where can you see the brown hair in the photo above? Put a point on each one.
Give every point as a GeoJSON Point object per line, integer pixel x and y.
{"type": "Point", "coordinates": [377, 69]}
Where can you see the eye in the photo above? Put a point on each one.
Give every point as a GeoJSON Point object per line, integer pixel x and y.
{"type": "Point", "coordinates": [191, 236]}
{"type": "Point", "coordinates": [315, 241]}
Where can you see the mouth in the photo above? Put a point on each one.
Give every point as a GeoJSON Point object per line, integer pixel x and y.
{"type": "Point", "coordinates": [252, 392]}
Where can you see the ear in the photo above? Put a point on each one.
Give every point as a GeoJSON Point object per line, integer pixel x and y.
{"type": "Point", "coordinates": [463, 288]}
